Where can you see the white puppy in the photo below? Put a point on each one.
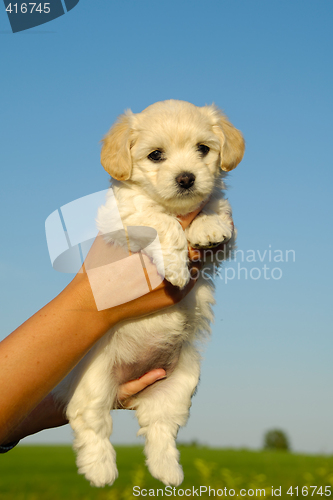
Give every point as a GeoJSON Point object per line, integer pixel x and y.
{"type": "Point", "coordinates": [165, 162]}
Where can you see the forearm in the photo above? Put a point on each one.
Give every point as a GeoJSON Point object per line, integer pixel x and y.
{"type": "Point", "coordinates": [46, 415]}
{"type": "Point", "coordinates": [40, 353]}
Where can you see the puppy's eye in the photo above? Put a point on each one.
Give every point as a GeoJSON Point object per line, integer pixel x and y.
{"type": "Point", "coordinates": [203, 149]}
{"type": "Point", "coordinates": [156, 155]}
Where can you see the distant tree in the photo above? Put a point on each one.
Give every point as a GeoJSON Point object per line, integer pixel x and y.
{"type": "Point", "coordinates": [276, 440]}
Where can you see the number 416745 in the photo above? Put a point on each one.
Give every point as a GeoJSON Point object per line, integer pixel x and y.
{"type": "Point", "coordinates": [29, 8]}
{"type": "Point", "coordinates": [309, 491]}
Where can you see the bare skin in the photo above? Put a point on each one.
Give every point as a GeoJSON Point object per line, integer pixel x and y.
{"type": "Point", "coordinates": [44, 349]}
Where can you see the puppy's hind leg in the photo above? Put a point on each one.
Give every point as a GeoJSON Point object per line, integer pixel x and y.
{"type": "Point", "coordinates": [89, 415]}
{"type": "Point", "coordinates": [161, 410]}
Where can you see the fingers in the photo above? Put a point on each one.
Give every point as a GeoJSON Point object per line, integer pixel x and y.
{"type": "Point", "coordinates": [194, 254]}
{"type": "Point", "coordinates": [185, 220]}
{"type": "Point", "coordinates": [135, 386]}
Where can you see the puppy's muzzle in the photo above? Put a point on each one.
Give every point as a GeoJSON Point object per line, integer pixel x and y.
{"type": "Point", "coordinates": [185, 180]}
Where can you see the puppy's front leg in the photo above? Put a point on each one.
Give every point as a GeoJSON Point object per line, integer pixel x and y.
{"type": "Point", "coordinates": [161, 410]}
{"type": "Point", "coordinates": [171, 259]}
{"type": "Point", "coordinates": [213, 225]}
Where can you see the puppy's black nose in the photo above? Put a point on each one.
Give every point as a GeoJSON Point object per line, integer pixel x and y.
{"type": "Point", "coordinates": [185, 180]}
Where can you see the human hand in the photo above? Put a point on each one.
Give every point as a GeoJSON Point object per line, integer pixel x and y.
{"type": "Point", "coordinates": [48, 414]}
{"type": "Point", "coordinates": [108, 265]}
{"type": "Point", "coordinates": [165, 294]}
{"type": "Point", "coordinates": [133, 387]}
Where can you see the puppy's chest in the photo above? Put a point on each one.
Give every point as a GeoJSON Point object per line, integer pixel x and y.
{"type": "Point", "coordinates": [153, 342]}
{"type": "Point", "coordinates": [156, 341]}
{"type": "Point", "coordinates": [147, 360]}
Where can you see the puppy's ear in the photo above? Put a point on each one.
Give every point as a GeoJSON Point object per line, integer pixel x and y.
{"type": "Point", "coordinates": [232, 144]}
{"type": "Point", "coordinates": [232, 141]}
{"type": "Point", "coordinates": [116, 153]}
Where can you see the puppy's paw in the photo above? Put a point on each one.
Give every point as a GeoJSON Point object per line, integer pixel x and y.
{"type": "Point", "coordinates": [118, 238]}
{"type": "Point", "coordinates": [98, 468]}
{"type": "Point", "coordinates": [176, 269]}
{"type": "Point", "coordinates": [167, 470]}
{"type": "Point", "coordinates": [209, 231]}
{"type": "Point", "coordinates": [100, 474]}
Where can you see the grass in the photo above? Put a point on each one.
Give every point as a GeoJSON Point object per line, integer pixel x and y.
{"type": "Point", "coordinates": [49, 473]}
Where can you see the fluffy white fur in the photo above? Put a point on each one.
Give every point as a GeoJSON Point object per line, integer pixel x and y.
{"type": "Point", "coordinates": [147, 194]}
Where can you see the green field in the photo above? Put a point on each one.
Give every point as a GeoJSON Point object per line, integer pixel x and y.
{"type": "Point", "coordinates": [49, 473]}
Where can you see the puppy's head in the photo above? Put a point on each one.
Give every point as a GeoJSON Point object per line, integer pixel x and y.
{"type": "Point", "coordinates": [173, 150]}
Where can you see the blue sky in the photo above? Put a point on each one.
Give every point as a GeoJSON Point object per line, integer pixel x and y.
{"type": "Point", "coordinates": [268, 65]}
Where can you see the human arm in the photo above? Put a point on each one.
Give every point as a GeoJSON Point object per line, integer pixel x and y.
{"type": "Point", "coordinates": [49, 414]}
{"type": "Point", "coordinates": [42, 351]}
